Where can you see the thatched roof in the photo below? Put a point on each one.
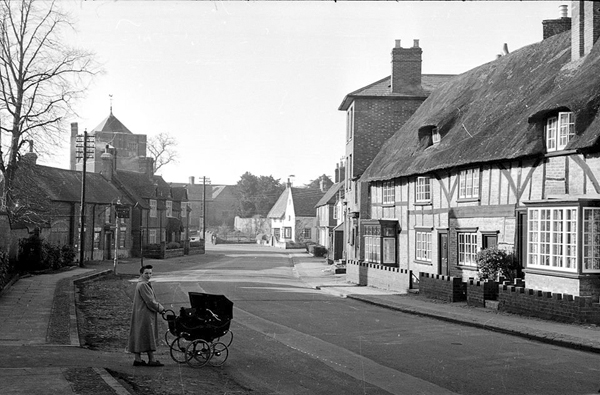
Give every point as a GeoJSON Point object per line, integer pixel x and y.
{"type": "Point", "coordinates": [495, 112]}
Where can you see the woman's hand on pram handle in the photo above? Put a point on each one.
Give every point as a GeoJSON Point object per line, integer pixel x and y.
{"type": "Point", "coordinates": [165, 314]}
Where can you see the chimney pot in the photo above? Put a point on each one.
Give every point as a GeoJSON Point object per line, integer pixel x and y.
{"type": "Point", "coordinates": [398, 44]}
{"type": "Point", "coordinates": [564, 11]}
{"type": "Point", "coordinates": [416, 44]}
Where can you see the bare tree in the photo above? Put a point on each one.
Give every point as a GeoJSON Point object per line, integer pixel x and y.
{"type": "Point", "coordinates": [162, 149]}
{"type": "Point", "coordinates": [41, 77]}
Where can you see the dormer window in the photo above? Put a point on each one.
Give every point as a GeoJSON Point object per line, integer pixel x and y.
{"type": "Point", "coordinates": [436, 137]}
{"type": "Point", "coordinates": [559, 130]}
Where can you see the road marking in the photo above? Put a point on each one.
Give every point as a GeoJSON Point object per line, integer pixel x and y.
{"type": "Point", "coordinates": [339, 358]}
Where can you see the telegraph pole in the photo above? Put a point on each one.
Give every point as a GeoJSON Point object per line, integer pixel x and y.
{"type": "Point", "coordinates": [82, 204]}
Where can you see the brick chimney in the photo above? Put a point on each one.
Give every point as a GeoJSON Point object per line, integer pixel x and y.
{"type": "Point", "coordinates": [146, 166]}
{"type": "Point", "coordinates": [72, 158]}
{"type": "Point", "coordinates": [107, 164]}
{"type": "Point", "coordinates": [30, 157]}
{"type": "Point", "coordinates": [552, 27]}
{"type": "Point", "coordinates": [406, 69]}
{"type": "Point", "coordinates": [585, 30]}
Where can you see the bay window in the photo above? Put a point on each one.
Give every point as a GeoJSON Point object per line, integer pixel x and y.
{"type": "Point", "coordinates": [380, 241]}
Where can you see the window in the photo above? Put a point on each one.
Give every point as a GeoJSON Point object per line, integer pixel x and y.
{"type": "Point", "coordinates": [380, 240]}
{"type": "Point", "coordinates": [152, 236]}
{"type": "Point", "coordinates": [435, 135]}
{"type": "Point", "coordinates": [306, 233]}
{"type": "Point", "coordinates": [169, 208]}
{"type": "Point", "coordinates": [591, 239]}
{"type": "Point", "coordinates": [388, 192]}
{"type": "Point", "coordinates": [467, 249]}
{"type": "Point", "coordinates": [349, 123]}
{"type": "Point", "coordinates": [287, 232]}
{"type": "Point", "coordinates": [423, 192]}
{"type": "Point", "coordinates": [469, 184]}
{"type": "Point", "coordinates": [107, 215]}
{"type": "Point", "coordinates": [122, 234]}
{"type": "Point", "coordinates": [97, 238]}
{"type": "Point", "coordinates": [552, 238]}
{"type": "Point", "coordinates": [559, 130]}
{"type": "Point", "coordinates": [152, 208]}
{"type": "Point", "coordinates": [277, 233]}
{"type": "Point", "coordinates": [423, 245]}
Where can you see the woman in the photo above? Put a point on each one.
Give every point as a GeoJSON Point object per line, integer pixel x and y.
{"type": "Point", "coordinates": [143, 334]}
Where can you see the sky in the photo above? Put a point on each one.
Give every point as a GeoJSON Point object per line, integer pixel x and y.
{"type": "Point", "coordinates": [255, 86]}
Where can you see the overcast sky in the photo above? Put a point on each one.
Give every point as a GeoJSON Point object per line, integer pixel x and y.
{"type": "Point", "coordinates": [256, 86]}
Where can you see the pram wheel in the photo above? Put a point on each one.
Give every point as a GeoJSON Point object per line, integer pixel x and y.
{"type": "Point", "coordinates": [198, 353]}
{"type": "Point", "coordinates": [169, 337]}
{"type": "Point", "coordinates": [226, 339]}
{"type": "Point", "coordinates": [220, 352]}
{"type": "Point", "coordinates": [179, 349]}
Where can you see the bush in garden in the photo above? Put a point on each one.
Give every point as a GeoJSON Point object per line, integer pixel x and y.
{"type": "Point", "coordinates": [494, 262]}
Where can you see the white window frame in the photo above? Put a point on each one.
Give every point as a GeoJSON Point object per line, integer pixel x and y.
{"type": "Point", "coordinates": [467, 248]}
{"type": "Point", "coordinates": [436, 137]}
{"type": "Point", "coordinates": [468, 184]}
{"type": "Point", "coordinates": [169, 204]}
{"type": "Point", "coordinates": [552, 238]}
{"type": "Point", "coordinates": [559, 131]}
{"type": "Point", "coordinates": [152, 236]}
{"type": "Point", "coordinates": [306, 233]}
{"type": "Point", "coordinates": [591, 240]}
{"type": "Point", "coordinates": [153, 208]}
{"type": "Point", "coordinates": [423, 246]}
{"type": "Point", "coordinates": [423, 190]}
{"type": "Point", "coordinates": [389, 192]}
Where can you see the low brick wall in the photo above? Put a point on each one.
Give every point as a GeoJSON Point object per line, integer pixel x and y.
{"type": "Point", "coordinates": [548, 305]}
{"type": "Point", "coordinates": [378, 276]}
{"type": "Point", "coordinates": [435, 286]}
{"type": "Point", "coordinates": [480, 291]}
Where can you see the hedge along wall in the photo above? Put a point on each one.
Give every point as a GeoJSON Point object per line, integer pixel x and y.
{"type": "Point", "coordinates": [379, 276]}
{"type": "Point", "coordinates": [548, 305]}
{"type": "Point", "coordinates": [435, 286]}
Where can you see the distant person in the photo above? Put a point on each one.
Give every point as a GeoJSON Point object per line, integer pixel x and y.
{"type": "Point", "coordinates": [143, 334]}
{"type": "Point", "coordinates": [213, 239]}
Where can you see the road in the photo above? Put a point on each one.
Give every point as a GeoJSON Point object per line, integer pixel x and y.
{"type": "Point", "coordinates": [291, 339]}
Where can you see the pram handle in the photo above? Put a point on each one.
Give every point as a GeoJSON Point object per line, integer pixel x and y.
{"type": "Point", "coordinates": [164, 314]}
{"type": "Point", "coordinates": [213, 314]}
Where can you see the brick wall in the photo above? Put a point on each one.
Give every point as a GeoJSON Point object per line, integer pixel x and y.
{"type": "Point", "coordinates": [480, 291]}
{"type": "Point", "coordinates": [379, 276]}
{"type": "Point", "coordinates": [548, 305]}
{"type": "Point", "coordinates": [435, 286]}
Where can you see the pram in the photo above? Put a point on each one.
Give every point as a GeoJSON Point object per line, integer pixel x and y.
{"type": "Point", "coordinates": [200, 334]}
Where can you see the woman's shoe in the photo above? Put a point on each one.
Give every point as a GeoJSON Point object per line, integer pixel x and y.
{"type": "Point", "coordinates": [155, 363]}
{"type": "Point", "coordinates": [139, 363]}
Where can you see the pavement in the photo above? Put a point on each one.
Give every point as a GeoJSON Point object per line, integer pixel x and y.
{"type": "Point", "coordinates": [42, 354]}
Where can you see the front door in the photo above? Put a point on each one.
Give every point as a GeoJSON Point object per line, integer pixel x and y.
{"type": "Point", "coordinates": [443, 254]}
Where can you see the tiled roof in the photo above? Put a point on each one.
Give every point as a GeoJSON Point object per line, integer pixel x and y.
{"type": "Point", "coordinates": [382, 88]}
{"type": "Point", "coordinates": [304, 200]}
{"type": "Point", "coordinates": [330, 195]}
{"type": "Point", "coordinates": [111, 124]}
{"type": "Point", "coordinates": [493, 112]}
{"type": "Point", "coordinates": [65, 185]}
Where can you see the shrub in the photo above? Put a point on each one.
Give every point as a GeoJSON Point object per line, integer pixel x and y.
{"type": "Point", "coordinates": [173, 245]}
{"type": "Point", "coordinates": [494, 262]}
{"type": "Point", "coordinates": [37, 254]}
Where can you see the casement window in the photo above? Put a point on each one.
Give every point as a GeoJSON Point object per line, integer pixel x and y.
{"type": "Point", "coordinates": [559, 130]}
{"type": "Point", "coordinates": [467, 248]}
{"type": "Point", "coordinates": [287, 232]}
{"type": "Point", "coordinates": [436, 137]}
{"type": "Point", "coordinates": [152, 236]}
{"type": "Point", "coordinates": [591, 240]}
{"type": "Point", "coordinates": [423, 190]}
{"type": "Point", "coordinates": [423, 246]}
{"type": "Point", "coordinates": [277, 233]}
{"type": "Point", "coordinates": [153, 208]}
{"type": "Point", "coordinates": [389, 193]}
{"type": "Point", "coordinates": [169, 208]}
{"type": "Point", "coordinates": [379, 241]}
{"type": "Point", "coordinates": [306, 233]}
{"type": "Point", "coordinates": [552, 238]}
{"type": "Point", "coordinates": [468, 184]}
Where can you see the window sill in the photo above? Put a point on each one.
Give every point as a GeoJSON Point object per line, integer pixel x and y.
{"type": "Point", "coordinates": [560, 153]}
{"type": "Point", "coordinates": [427, 263]}
{"type": "Point", "coordinates": [423, 203]}
{"type": "Point", "coordinates": [552, 272]}
{"type": "Point", "coordinates": [465, 267]}
{"type": "Point", "coordinates": [467, 200]}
